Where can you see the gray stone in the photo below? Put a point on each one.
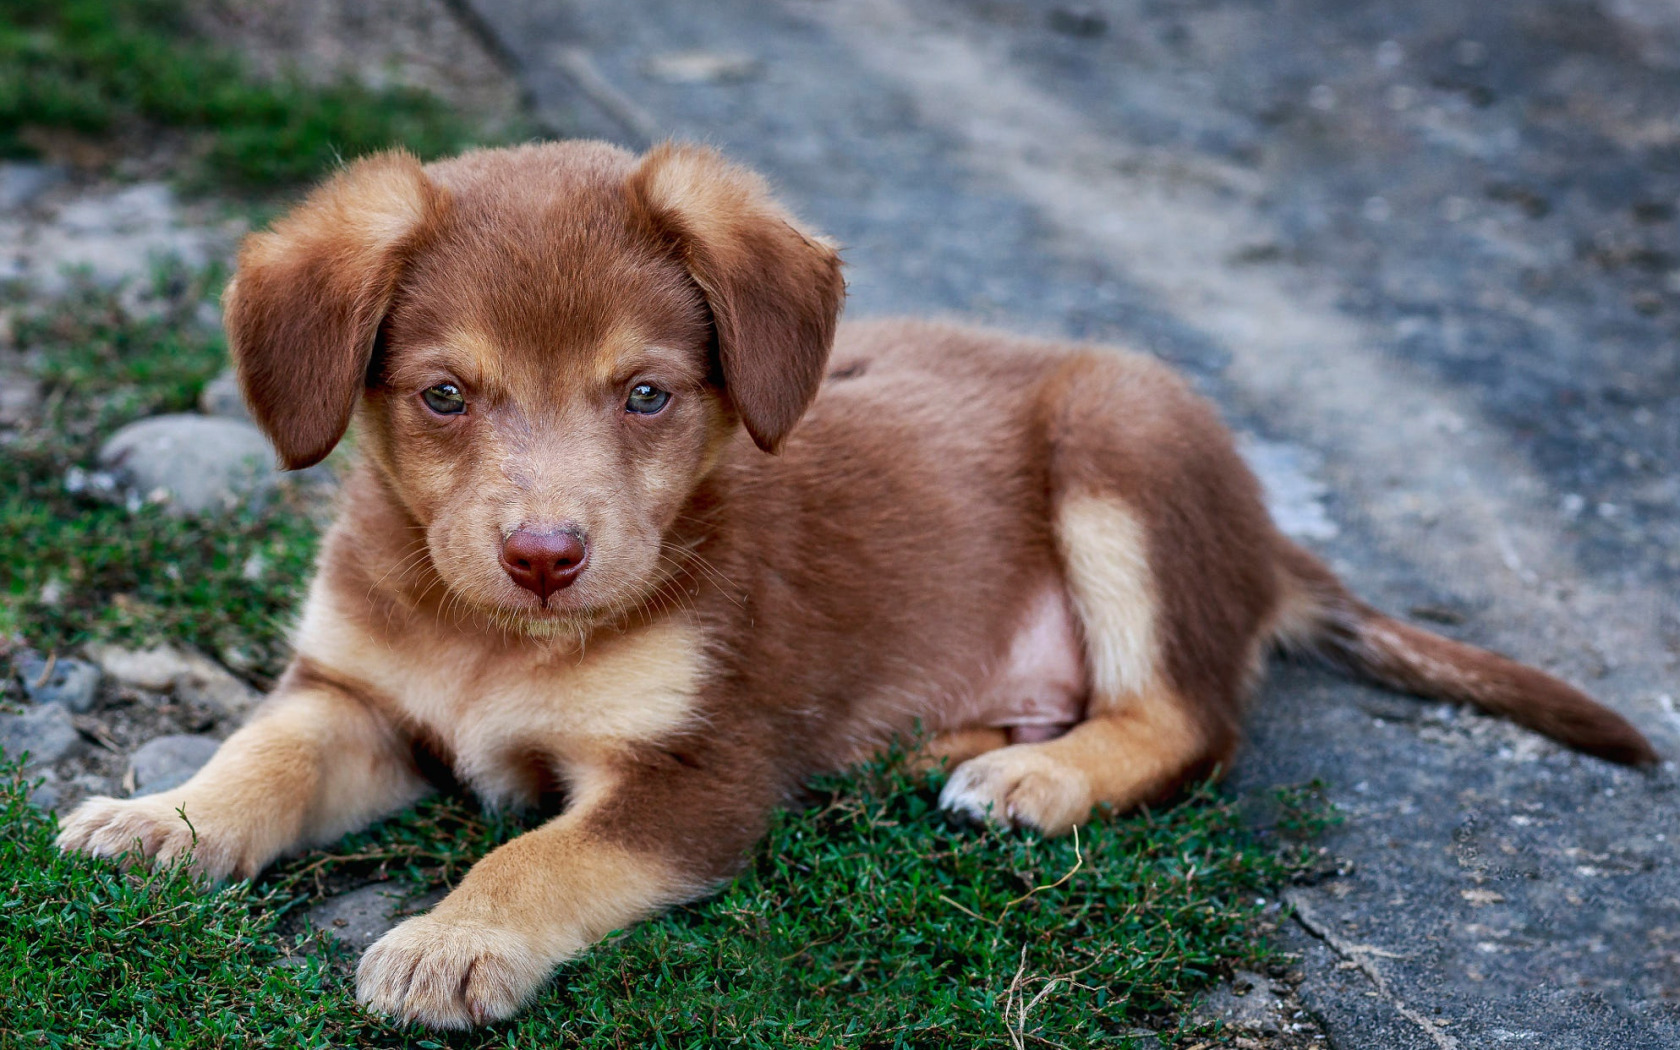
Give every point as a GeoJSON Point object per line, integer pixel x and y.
{"type": "Point", "coordinates": [1248, 1002]}
{"type": "Point", "coordinates": [71, 683]}
{"type": "Point", "coordinates": [190, 676]}
{"type": "Point", "coordinates": [142, 206]}
{"type": "Point", "coordinates": [362, 916]}
{"type": "Point", "coordinates": [208, 315]}
{"type": "Point", "coordinates": [221, 397]}
{"type": "Point", "coordinates": [169, 761]}
{"type": "Point", "coordinates": [93, 784]}
{"type": "Point", "coordinates": [45, 732]}
{"type": "Point", "coordinates": [1078, 21]}
{"type": "Point", "coordinates": [212, 686]}
{"type": "Point", "coordinates": [21, 182]}
{"type": "Point", "coordinates": [191, 463]}
{"type": "Point", "coordinates": [154, 669]}
{"type": "Point", "coordinates": [46, 794]}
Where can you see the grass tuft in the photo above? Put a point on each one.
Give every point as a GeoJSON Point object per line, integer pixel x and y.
{"type": "Point", "coordinates": [98, 67]}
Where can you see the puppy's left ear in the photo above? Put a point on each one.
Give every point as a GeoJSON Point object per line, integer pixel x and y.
{"type": "Point", "coordinates": [305, 306]}
{"type": "Point", "coordinates": [774, 291]}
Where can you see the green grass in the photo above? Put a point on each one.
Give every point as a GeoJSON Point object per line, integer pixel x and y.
{"type": "Point", "coordinates": [864, 920]}
{"type": "Point", "coordinates": [95, 67]}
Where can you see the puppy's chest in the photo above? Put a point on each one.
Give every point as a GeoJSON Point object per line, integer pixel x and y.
{"type": "Point", "coordinates": [507, 720]}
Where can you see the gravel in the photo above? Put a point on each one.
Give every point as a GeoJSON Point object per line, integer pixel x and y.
{"type": "Point", "coordinates": [192, 677]}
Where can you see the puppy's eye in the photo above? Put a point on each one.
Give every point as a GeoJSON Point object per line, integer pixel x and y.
{"type": "Point", "coordinates": [445, 399]}
{"type": "Point", "coordinates": [646, 399]}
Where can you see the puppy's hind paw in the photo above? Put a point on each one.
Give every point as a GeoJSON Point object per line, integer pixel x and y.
{"type": "Point", "coordinates": [1019, 786]}
{"type": "Point", "coordinates": [444, 973]}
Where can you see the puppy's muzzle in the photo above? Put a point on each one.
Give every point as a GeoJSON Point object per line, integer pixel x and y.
{"type": "Point", "coordinates": [544, 560]}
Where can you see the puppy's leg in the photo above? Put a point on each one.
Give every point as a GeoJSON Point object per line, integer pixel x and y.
{"type": "Point", "coordinates": [952, 749]}
{"type": "Point", "coordinates": [652, 837]}
{"type": "Point", "coordinates": [1136, 751]}
{"type": "Point", "coordinates": [1142, 735]}
{"type": "Point", "coordinates": [312, 765]}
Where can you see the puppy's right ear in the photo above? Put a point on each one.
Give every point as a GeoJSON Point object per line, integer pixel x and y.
{"type": "Point", "coordinates": [305, 306]}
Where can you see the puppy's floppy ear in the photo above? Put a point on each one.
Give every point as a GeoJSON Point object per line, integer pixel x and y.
{"type": "Point", "coordinates": [774, 291]}
{"type": "Point", "coordinates": [305, 306]}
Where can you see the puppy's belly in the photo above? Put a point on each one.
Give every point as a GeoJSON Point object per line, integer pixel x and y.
{"type": "Point", "coordinates": [1039, 690]}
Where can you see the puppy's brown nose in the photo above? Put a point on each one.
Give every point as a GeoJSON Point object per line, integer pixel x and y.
{"type": "Point", "coordinates": [544, 561]}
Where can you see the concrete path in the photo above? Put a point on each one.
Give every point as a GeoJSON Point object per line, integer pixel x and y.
{"type": "Point", "coordinates": [1425, 253]}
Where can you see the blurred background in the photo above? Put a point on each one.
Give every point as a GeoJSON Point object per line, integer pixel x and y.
{"type": "Point", "coordinates": [1424, 254]}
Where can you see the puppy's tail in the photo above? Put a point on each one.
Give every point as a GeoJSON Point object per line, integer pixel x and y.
{"type": "Point", "coordinates": [1321, 617]}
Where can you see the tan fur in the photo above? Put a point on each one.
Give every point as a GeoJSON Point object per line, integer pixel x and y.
{"type": "Point", "coordinates": [313, 764]}
{"type": "Point", "coordinates": [1108, 573]}
{"type": "Point", "coordinates": [989, 538]}
{"type": "Point", "coordinates": [947, 751]}
{"type": "Point", "coordinates": [1137, 739]}
{"type": "Point", "coordinates": [579, 705]}
{"type": "Point", "coordinates": [1133, 753]}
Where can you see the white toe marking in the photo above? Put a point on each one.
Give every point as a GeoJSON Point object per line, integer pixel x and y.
{"type": "Point", "coordinates": [964, 793]}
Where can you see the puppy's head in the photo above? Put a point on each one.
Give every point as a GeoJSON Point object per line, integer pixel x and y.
{"type": "Point", "coordinates": [547, 347]}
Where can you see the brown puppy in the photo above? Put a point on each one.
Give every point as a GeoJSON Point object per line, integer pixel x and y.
{"type": "Point", "coordinates": [567, 558]}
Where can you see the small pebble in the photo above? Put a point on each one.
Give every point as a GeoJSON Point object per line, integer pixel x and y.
{"type": "Point", "coordinates": [196, 463]}
{"type": "Point", "coordinates": [221, 398]}
{"type": "Point", "coordinates": [192, 677]}
{"type": "Point", "coordinates": [72, 683]}
{"type": "Point", "coordinates": [169, 761]}
{"type": "Point", "coordinates": [44, 731]}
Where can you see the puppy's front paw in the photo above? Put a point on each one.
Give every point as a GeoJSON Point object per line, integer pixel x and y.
{"type": "Point", "coordinates": [449, 973]}
{"type": "Point", "coordinates": [152, 829]}
{"type": "Point", "coordinates": [1019, 786]}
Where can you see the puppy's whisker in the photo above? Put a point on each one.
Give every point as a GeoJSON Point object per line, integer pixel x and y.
{"type": "Point", "coordinates": [401, 567]}
{"type": "Point", "coordinates": [722, 583]}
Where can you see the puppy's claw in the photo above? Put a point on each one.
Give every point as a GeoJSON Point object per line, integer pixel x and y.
{"type": "Point", "coordinates": [444, 973]}
{"type": "Point", "coordinates": [1019, 786]}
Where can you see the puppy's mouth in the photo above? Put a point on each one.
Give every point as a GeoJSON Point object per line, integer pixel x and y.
{"type": "Point", "coordinates": [553, 618]}
{"type": "Point", "coordinates": [570, 604]}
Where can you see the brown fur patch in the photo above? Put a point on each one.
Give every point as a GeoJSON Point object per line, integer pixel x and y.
{"type": "Point", "coordinates": [303, 313]}
{"type": "Point", "coordinates": [774, 291]}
